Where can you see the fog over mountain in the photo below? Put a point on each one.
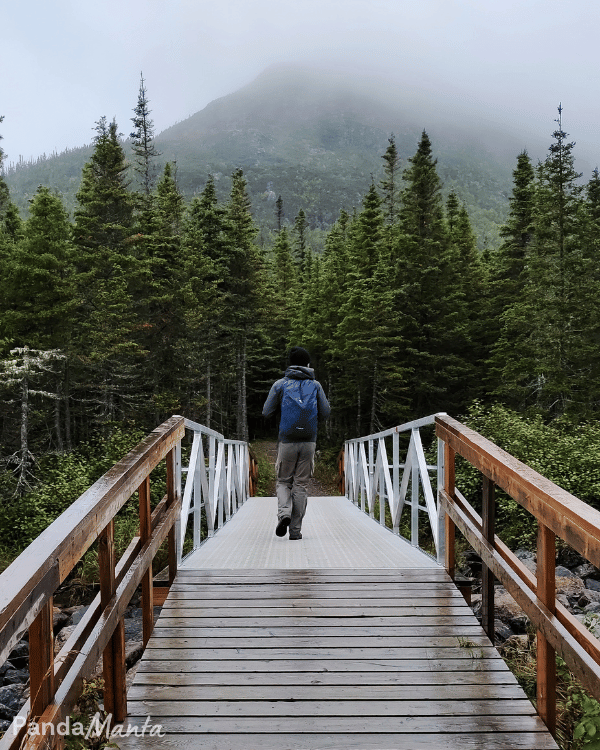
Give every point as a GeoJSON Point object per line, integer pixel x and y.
{"type": "Point", "coordinates": [316, 137]}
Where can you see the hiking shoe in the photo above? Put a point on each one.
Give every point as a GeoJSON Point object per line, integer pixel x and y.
{"type": "Point", "coordinates": [297, 536]}
{"type": "Point", "coordinates": [282, 526]}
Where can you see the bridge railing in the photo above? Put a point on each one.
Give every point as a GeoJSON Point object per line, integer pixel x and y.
{"type": "Point", "coordinates": [558, 513]}
{"type": "Point", "coordinates": [375, 471]}
{"type": "Point", "coordinates": [28, 585]}
{"type": "Point", "coordinates": [221, 475]}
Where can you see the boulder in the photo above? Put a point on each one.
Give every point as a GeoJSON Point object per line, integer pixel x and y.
{"type": "Point", "coordinates": [59, 619]}
{"type": "Point", "coordinates": [4, 669]}
{"type": "Point", "coordinates": [62, 638]}
{"type": "Point", "coordinates": [527, 558]}
{"type": "Point", "coordinates": [16, 675]}
{"type": "Point", "coordinates": [11, 696]}
{"type": "Point", "coordinates": [19, 656]}
{"type": "Point", "coordinates": [502, 632]}
{"type": "Point", "coordinates": [587, 571]}
{"type": "Point", "coordinates": [76, 614]}
{"type": "Point", "coordinates": [593, 608]}
{"type": "Point", "coordinates": [562, 572]}
{"type": "Point", "coordinates": [6, 713]}
{"type": "Point", "coordinates": [592, 584]}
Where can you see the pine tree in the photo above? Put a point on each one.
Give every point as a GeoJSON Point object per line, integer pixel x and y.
{"type": "Point", "coordinates": [37, 287]}
{"type": "Point", "coordinates": [109, 274]}
{"type": "Point", "coordinates": [142, 142]}
{"type": "Point", "coordinates": [548, 325]}
{"type": "Point", "coordinates": [423, 280]}
{"type": "Point", "coordinates": [390, 185]}
{"type": "Point", "coordinates": [300, 227]}
{"type": "Point", "coordinates": [368, 238]}
{"type": "Point", "coordinates": [279, 207]}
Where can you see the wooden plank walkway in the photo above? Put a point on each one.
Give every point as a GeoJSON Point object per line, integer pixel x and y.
{"type": "Point", "coordinates": [314, 658]}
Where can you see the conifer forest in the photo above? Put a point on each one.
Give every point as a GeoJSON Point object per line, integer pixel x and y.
{"type": "Point", "coordinates": [143, 304]}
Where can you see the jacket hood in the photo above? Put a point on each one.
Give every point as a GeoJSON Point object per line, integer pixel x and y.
{"type": "Point", "coordinates": [297, 372]}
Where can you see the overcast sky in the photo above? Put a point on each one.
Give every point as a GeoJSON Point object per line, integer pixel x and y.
{"type": "Point", "coordinates": [66, 63]}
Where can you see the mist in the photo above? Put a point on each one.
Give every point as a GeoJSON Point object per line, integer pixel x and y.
{"type": "Point", "coordinates": [470, 64]}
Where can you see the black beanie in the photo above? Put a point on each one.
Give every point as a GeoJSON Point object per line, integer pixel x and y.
{"type": "Point", "coordinates": [299, 356]}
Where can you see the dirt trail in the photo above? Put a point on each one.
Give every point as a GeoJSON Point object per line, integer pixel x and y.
{"type": "Point", "coordinates": [316, 488]}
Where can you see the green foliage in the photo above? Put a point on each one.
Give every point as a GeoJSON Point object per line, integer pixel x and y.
{"type": "Point", "coordinates": [564, 453]}
{"type": "Point", "coordinates": [63, 478]}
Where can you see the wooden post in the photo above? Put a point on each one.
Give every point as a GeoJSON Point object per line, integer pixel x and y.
{"type": "Point", "coordinates": [488, 516]}
{"type": "Point", "coordinates": [115, 695]}
{"type": "Point", "coordinates": [171, 497]}
{"type": "Point", "coordinates": [41, 660]}
{"type": "Point", "coordinates": [449, 481]}
{"type": "Point", "coordinates": [546, 657]}
{"type": "Point", "coordinates": [147, 586]}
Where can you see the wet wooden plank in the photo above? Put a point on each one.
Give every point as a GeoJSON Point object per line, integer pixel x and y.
{"type": "Point", "coordinates": [334, 708]}
{"type": "Point", "coordinates": [170, 638]}
{"type": "Point", "coordinates": [313, 621]}
{"type": "Point", "coordinates": [242, 632]}
{"type": "Point", "coordinates": [490, 740]}
{"type": "Point", "coordinates": [218, 654]}
{"type": "Point", "coordinates": [325, 692]}
{"type": "Point", "coordinates": [443, 669]}
{"type": "Point", "coordinates": [424, 674]}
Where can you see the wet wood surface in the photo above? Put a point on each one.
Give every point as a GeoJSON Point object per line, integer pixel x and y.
{"type": "Point", "coordinates": [325, 659]}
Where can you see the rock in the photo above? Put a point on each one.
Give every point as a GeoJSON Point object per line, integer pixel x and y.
{"type": "Point", "coordinates": [505, 606]}
{"type": "Point", "coordinates": [527, 558]}
{"type": "Point", "coordinates": [77, 613]}
{"type": "Point", "coordinates": [562, 598]}
{"type": "Point", "coordinates": [133, 652]}
{"type": "Point", "coordinates": [59, 619]}
{"type": "Point", "coordinates": [518, 624]}
{"type": "Point", "coordinates": [6, 712]}
{"type": "Point", "coordinates": [587, 571]}
{"type": "Point", "coordinates": [131, 675]}
{"type": "Point", "coordinates": [568, 557]}
{"type": "Point", "coordinates": [16, 675]}
{"type": "Point", "coordinates": [62, 638]}
{"type": "Point", "coordinates": [570, 586]}
{"type": "Point", "coordinates": [562, 572]}
{"type": "Point", "coordinates": [4, 725]}
{"type": "Point", "coordinates": [4, 669]}
{"type": "Point", "coordinates": [502, 632]}
{"type": "Point", "coordinates": [19, 656]}
{"type": "Point", "coordinates": [593, 608]}
{"type": "Point", "coordinates": [592, 584]}
{"type": "Point", "coordinates": [11, 696]}
{"type": "Point", "coordinates": [133, 628]}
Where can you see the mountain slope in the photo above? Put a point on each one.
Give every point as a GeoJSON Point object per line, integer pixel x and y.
{"type": "Point", "coordinates": [316, 138]}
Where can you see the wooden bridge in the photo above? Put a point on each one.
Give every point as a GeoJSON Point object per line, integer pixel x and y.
{"type": "Point", "coordinates": [352, 637]}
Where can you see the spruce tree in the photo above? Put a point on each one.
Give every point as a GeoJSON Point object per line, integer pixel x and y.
{"type": "Point", "coordinates": [390, 184]}
{"type": "Point", "coordinates": [423, 281]}
{"type": "Point", "coordinates": [37, 289]}
{"type": "Point", "coordinates": [142, 142]}
{"type": "Point", "coordinates": [548, 324]}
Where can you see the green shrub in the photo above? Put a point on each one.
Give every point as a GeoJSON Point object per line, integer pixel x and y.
{"type": "Point", "coordinates": [567, 454]}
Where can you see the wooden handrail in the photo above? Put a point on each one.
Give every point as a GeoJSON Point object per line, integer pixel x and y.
{"type": "Point", "coordinates": [558, 514]}
{"type": "Point", "coordinates": [27, 586]}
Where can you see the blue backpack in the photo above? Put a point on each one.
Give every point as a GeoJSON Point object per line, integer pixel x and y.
{"type": "Point", "coordinates": [298, 409]}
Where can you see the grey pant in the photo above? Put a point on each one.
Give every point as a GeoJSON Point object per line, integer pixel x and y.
{"type": "Point", "coordinates": [294, 467]}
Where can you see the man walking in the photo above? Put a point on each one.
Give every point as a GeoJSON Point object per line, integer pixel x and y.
{"type": "Point", "coordinates": [302, 402]}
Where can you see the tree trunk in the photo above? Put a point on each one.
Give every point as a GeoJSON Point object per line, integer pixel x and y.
{"type": "Point", "coordinates": [23, 465]}
{"type": "Point", "coordinates": [208, 394]}
{"type": "Point", "coordinates": [57, 427]}
{"type": "Point", "coordinates": [67, 398]}
{"type": "Point", "coordinates": [374, 399]}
